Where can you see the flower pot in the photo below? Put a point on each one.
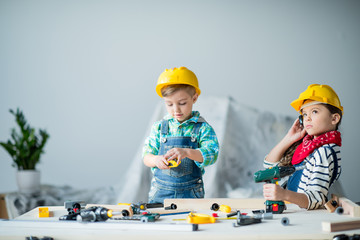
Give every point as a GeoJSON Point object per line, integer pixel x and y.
{"type": "Point", "coordinates": [28, 181]}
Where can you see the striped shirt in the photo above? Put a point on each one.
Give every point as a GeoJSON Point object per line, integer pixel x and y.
{"type": "Point", "coordinates": [208, 143]}
{"type": "Point", "coordinates": [316, 177]}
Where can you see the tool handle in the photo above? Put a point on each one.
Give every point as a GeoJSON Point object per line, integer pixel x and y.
{"type": "Point", "coordinates": [154, 205]}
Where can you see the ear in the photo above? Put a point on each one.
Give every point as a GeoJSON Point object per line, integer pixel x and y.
{"type": "Point", "coordinates": [195, 97]}
{"type": "Point", "coordinates": [335, 118]}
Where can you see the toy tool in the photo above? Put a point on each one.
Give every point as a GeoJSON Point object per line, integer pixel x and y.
{"type": "Point", "coordinates": [273, 175]}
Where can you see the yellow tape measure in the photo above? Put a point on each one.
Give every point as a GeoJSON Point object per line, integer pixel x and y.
{"type": "Point", "coordinates": [173, 163]}
{"type": "Point", "coordinates": [198, 218]}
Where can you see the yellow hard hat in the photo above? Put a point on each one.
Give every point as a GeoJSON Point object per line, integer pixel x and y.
{"type": "Point", "coordinates": [173, 76]}
{"type": "Point", "coordinates": [319, 93]}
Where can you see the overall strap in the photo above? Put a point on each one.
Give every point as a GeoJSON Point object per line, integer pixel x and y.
{"type": "Point", "coordinates": [335, 173]}
{"type": "Point", "coordinates": [196, 129]}
{"type": "Point", "coordinates": [164, 127]}
{"type": "Point", "coordinates": [164, 130]}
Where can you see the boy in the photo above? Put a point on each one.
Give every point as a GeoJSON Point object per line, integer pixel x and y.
{"type": "Point", "coordinates": [182, 138]}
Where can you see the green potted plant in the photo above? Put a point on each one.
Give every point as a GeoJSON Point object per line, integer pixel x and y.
{"type": "Point", "coordinates": [25, 148]}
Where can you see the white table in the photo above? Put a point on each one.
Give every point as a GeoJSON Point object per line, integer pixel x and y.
{"type": "Point", "coordinates": [303, 225]}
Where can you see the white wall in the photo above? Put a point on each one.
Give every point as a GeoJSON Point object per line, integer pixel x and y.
{"type": "Point", "coordinates": [86, 71]}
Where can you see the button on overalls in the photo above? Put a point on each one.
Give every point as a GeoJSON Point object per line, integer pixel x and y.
{"type": "Point", "coordinates": [183, 181]}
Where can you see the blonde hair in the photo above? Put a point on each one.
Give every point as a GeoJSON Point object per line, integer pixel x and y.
{"type": "Point", "coordinates": [171, 89]}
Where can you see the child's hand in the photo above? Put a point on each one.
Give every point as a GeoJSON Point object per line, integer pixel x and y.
{"type": "Point", "coordinates": [296, 132]}
{"type": "Point", "coordinates": [176, 154]}
{"type": "Point", "coordinates": [161, 162]}
{"type": "Point", "coordinates": [273, 192]}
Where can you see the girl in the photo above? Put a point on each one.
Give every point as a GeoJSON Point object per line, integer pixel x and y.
{"type": "Point", "coordinates": [313, 140]}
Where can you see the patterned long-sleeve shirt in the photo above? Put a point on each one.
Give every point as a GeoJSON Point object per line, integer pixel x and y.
{"type": "Point", "coordinates": [208, 142]}
{"type": "Point", "coordinates": [316, 178]}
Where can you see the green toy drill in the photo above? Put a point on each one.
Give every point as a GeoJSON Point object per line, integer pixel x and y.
{"type": "Point", "coordinates": [273, 175]}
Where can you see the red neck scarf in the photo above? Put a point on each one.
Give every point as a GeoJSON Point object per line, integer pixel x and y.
{"type": "Point", "coordinates": [309, 144]}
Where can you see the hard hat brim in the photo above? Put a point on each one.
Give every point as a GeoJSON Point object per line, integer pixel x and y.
{"type": "Point", "coordinates": [159, 87]}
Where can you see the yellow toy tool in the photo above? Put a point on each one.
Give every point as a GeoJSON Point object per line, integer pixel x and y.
{"type": "Point", "coordinates": [222, 208]}
{"type": "Point", "coordinates": [173, 163]}
{"type": "Point", "coordinates": [225, 208]}
{"type": "Point", "coordinates": [44, 212]}
{"type": "Point", "coordinates": [198, 218]}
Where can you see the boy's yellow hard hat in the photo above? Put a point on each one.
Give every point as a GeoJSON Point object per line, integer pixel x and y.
{"type": "Point", "coordinates": [173, 76]}
{"type": "Point", "coordinates": [319, 93]}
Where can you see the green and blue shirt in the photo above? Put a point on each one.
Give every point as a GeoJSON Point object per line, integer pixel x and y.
{"type": "Point", "coordinates": [208, 142]}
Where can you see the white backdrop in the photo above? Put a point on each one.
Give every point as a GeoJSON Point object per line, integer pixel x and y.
{"type": "Point", "coordinates": [86, 71]}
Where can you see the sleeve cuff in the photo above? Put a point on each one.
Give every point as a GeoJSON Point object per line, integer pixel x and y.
{"type": "Point", "coordinates": [200, 164]}
{"type": "Point", "coordinates": [269, 164]}
{"type": "Point", "coordinates": [309, 200]}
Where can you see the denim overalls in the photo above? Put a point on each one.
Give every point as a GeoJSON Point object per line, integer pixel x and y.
{"type": "Point", "coordinates": [294, 180]}
{"type": "Point", "coordinates": [183, 181]}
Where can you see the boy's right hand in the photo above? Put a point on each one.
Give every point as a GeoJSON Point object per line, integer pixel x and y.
{"type": "Point", "coordinates": [161, 162]}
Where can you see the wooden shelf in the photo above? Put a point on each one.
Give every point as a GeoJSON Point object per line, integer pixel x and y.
{"type": "Point", "coordinates": [3, 209]}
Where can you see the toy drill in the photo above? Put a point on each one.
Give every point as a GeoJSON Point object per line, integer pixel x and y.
{"type": "Point", "coordinates": [273, 175]}
{"type": "Point", "coordinates": [92, 214]}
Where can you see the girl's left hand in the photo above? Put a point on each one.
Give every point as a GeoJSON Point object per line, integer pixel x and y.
{"type": "Point", "coordinates": [273, 192]}
{"type": "Point", "coordinates": [176, 154]}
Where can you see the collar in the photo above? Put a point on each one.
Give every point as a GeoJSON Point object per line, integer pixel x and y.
{"type": "Point", "coordinates": [195, 118]}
